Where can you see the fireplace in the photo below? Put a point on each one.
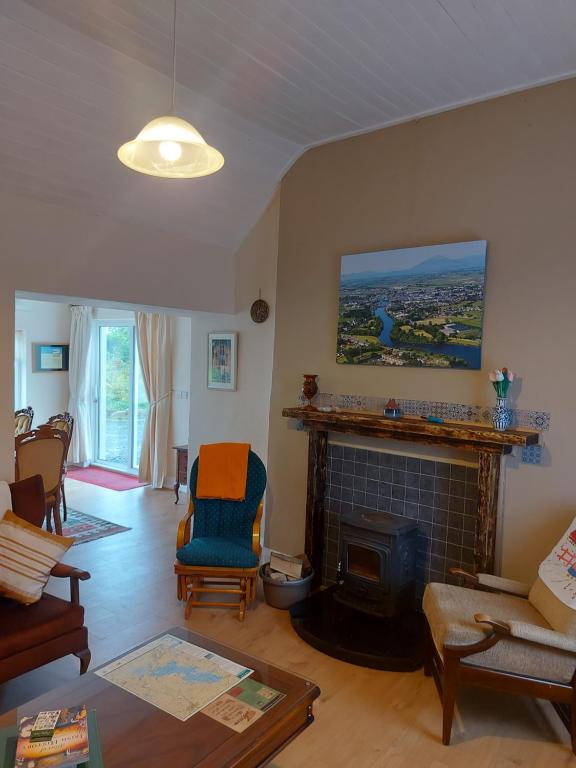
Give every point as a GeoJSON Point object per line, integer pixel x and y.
{"type": "Point", "coordinates": [377, 562]}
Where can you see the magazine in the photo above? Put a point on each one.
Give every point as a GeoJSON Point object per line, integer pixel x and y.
{"type": "Point", "coordinates": [58, 739]}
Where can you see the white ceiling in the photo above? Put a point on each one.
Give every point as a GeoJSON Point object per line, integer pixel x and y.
{"type": "Point", "coordinates": [261, 79]}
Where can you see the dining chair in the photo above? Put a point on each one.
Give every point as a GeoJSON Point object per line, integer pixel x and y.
{"type": "Point", "coordinates": [65, 422]}
{"type": "Point", "coordinates": [42, 452]}
{"type": "Point", "coordinates": [23, 420]}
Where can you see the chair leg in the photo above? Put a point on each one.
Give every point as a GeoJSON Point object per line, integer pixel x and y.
{"type": "Point", "coordinates": [64, 507]}
{"type": "Point", "coordinates": [428, 654]}
{"type": "Point", "coordinates": [573, 721]}
{"type": "Point", "coordinates": [449, 687]}
{"type": "Point", "coordinates": [56, 515]}
{"type": "Point", "coordinates": [243, 598]}
{"type": "Point", "coordinates": [84, 657]}
{"type": "Point", "coordinates": [48, 517]}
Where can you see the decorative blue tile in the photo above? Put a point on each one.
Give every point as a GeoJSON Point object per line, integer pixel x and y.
{"type": "Point", "coordinates": [532, 454]}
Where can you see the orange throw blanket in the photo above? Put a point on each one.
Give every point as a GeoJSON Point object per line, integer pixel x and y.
{"type": "Point", "coordinates": [222, 471]}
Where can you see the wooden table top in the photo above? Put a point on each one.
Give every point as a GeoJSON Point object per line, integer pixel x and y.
{"type": "Point", "coordinates": [135, 733]}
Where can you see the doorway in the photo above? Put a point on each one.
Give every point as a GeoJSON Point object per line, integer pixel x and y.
{"type": "Point", "coordinates": [121, 402]}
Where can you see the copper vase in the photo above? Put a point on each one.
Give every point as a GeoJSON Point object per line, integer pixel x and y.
{"type": "Point", "coordinates": [309, 389]}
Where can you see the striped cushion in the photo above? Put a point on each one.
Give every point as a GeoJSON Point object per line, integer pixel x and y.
{"type": "Point", "coordinates": [27, 555]}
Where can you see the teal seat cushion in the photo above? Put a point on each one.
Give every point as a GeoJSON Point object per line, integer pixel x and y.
{"type": "Point", "coordinates": [219, 552]}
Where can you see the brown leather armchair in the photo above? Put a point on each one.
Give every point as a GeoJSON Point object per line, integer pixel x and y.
{"type": "Point", "coordinates": [34, 635]}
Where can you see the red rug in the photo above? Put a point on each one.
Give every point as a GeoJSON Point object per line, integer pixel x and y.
{"type": "Point", "coordinates": [115, 481]}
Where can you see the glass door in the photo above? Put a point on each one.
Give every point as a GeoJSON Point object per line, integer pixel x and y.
{"type": "Point", "coordinates": [122, 401]}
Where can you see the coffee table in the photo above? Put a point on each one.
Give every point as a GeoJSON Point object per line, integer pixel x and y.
{"type": "Point", "coordinates": [135, 733]}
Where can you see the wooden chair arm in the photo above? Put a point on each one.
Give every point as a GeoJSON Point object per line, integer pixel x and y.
{"type": "Point", "coordinates": [183, 536]}
{"type": "Point", "coordinates": [490, 583]}
{"type": "Point", "coordinates": [529, 633]}
{"type": "Point", "coordinates": [63, 571]}
{"type": "Point", "coordinates": [256, 548]}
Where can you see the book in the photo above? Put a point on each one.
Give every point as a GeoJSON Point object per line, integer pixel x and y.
{"type": "Point", "coordinates": [239, 707]}
{"type": "Point", "coordinates": [291, 566]}
{"type": "Point", "coordinates": [9, 738]}
{"type": "Point", "coordinates": [56, 738]}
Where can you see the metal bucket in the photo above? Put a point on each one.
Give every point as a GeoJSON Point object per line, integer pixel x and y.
{"type": "Point", "coordinates": [283, 594]}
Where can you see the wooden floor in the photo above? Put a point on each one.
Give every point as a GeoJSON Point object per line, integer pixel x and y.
{"type": "Point", "coordinates": [364, 718]}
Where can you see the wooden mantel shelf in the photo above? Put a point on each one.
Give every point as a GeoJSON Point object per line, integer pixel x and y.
{"type": "Point", "coordinates": [488, 443]}
{"type": "Point", "coordinates": [475, 437]}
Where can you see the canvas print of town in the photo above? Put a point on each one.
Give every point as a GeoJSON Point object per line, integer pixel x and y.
{"type": "Point", "coordinates": [419, 307]}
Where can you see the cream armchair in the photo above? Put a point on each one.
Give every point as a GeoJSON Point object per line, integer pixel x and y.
{"type": "Point", "coordinates": [501, 634]}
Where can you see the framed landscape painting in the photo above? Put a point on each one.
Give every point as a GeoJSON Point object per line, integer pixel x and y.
{"type": "Point", "coordinates": [222, 360]}
{"type": "Point", "coordinates": [419, 307]}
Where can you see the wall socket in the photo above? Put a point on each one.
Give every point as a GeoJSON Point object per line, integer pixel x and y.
{"type": "Point", "coordinates": [180, 394]}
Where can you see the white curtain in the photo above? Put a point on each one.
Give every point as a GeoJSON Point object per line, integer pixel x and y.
{"type": "Point", "coordinates": [154, 334]}
{"type": "Point", "coordinates": [79, 378]}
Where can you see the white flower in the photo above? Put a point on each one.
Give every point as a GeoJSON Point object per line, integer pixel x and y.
{"type": "Point", "coordinates": [499, 375]}
{"type": "Point", "coordinates": [510, 376]}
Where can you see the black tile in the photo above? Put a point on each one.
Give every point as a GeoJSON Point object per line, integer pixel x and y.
{"type": "Point", "coordinates": [425, 514]}
{"type": "Point", "coordinates": [372, 472]}
{"type": "Point", "coordinates": [468, 539]}
{"type": "Point", "coordinates": [399, 462]}
{"type": "Point", "coordinates": [457, 488]}
{"type": "Point", "coordinates": [426, 483]}
{"type": "Point", "coordinates": [438, 548]}
{"type": "Point", "coordinates": [440, 517]}
{"type": "Point", "coordinates": [372, 501]}
{"type": "Point", "coordinates": [360, 469]}
{"type": "Point", "coordinates": [472, 475]}
{"type": "Point", "coordinates": [359, 497]}
{"type": "Point", "coordinates": [336, 492]}
{"type": "Point", "coordinates": [411, 510]}
{"type": "Point", "coordinates": [442, 469]}
{"type": "Point", "coordinates": [454, 536]}
{"type": "Point", "coordinates": [442, 485]}
{"type": "Point", "coordinates": [412, 480]}
{"type": "Point", "coordinates": [398, 492]}
{"type": "Point", "coordinates": [348, 453]}
{"type": "Point", "coordinates": [471, 508]}
{"type": "Point", "coordinates": [360, 483]}
{"type": "Point", "coordinates": [384, 504]}
{"type": "Point", "coordinates": [347, 481]}
{"type": "Point", "coordinates": [346, 509]}
{"type": "Point", "coordinates": [413, 464]}
{"type": "Point", "coordinates": [441, 500]}
{"type": "Point", "coordinates": [427, 498]}
{"type": "Point", "coordinates": [386, 460]}
{"type": "Point", "coordinates": [456, 520]}
{"type": "Point", "coordinates": [412, 495]}
{"type": "Point", "coordinates": [386, 474]}
{"type": "Point", "coordinates": [397, 507]}
{"type": "Point", "coordinates": [437, 564]}
{"type": "Point", "coordinates": [361, 456]}
{"type": "Point", "coordinates": [336, 478]}
{"type": "Point", "coordinates": [439, 532]}
{"type": "Point", "coordinates": [347, 467]}
{"type": "Point", "coordinates": [437, 575]}
{"type": "Point", "coordinates": [471, 491]}
{"type": "Point", "coordinates": [469, 523]}
{"type": "Point", "coordinates": [385, 490]}
{"type": "Point", "coordinates": [467, 558]}
{"type": "Point", "coordinates": [427, 467]}
{"type": "Point", "coordinates": [454, 552]}
{"type": "Point", "coordinates": [456, 504]}
{"type": "Point", "coordinates": [337, 465]}
{"type": "Point", "coordinates": [425, 527]}
{"type": "Point", "coordinates": [372, 487]}
{"type": "Point", "coordinates": [399, 477]}
{"type": "Point", "coordinates": [337, 451]}
{"type": "Point", "coordinates": [457, 472]}
{"type": "Point", "coordinates": [373, 457]}
{"type": "Point", "coordinates": [346, 495]}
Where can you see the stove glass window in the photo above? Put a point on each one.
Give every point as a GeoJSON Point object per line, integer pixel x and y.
{"type": "Point", "coordinates": [363, 562]}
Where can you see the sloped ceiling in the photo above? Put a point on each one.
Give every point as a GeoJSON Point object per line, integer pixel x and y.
{"type": "Point", "coordinates": [261, 79]}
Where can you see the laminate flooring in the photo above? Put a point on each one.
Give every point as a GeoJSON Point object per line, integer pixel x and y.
{"type": "Point", "coordinates": [364, 718]}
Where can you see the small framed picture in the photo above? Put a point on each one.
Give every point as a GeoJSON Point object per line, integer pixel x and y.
{"type": "Point", "coordinates": [50, 357]}
{"type": "Point", "coordinates": [222, 360]}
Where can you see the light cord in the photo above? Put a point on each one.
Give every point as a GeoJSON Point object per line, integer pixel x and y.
{"type": "Point", "coordinates": [173, 61]}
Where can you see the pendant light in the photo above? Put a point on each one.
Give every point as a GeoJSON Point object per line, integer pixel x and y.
{"type": "Point", "coordinates": [169, 146]}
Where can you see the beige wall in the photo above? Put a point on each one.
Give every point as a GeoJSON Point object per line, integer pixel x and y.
{"type": "Point", "coordinates": [180, 406]}
{"type": "Point", "coordinates": [43, 321]}
{"type": "Point", "coordinates": [504, 171]}
{"type": "Point", "coordinates": [241, 415]}
{"type": "Point", "coordinates": [50, 249]}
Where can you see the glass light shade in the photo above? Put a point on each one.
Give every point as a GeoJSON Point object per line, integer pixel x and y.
{"type": "Point", "coordinates": [171, 148]}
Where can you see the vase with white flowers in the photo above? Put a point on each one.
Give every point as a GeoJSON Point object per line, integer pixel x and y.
{"type": "Point", "coordinates": [501, 380]}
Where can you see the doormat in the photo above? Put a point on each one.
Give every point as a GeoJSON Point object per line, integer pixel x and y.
{"type": "Point", "coordinates": [105, 478]}
{"type": "Point", "coordinates": [85, 528]}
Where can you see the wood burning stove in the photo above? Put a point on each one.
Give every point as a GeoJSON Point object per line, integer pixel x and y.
{"type": "Point", "coordinates": [377, 562]}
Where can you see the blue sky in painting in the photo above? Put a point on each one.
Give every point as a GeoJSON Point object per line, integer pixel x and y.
{"type": "Point", "coordinates": [405, 258]}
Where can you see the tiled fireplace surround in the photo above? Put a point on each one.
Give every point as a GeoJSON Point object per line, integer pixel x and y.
{"type": "Point", "coordinates": [440, 495]}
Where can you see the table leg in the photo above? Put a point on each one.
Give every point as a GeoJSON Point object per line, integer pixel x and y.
{"type": "Point", "coordinates": [177, 491]}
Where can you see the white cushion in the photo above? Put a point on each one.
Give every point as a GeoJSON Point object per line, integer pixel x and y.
{"type": "Point", "coordinates": [27, 555]}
